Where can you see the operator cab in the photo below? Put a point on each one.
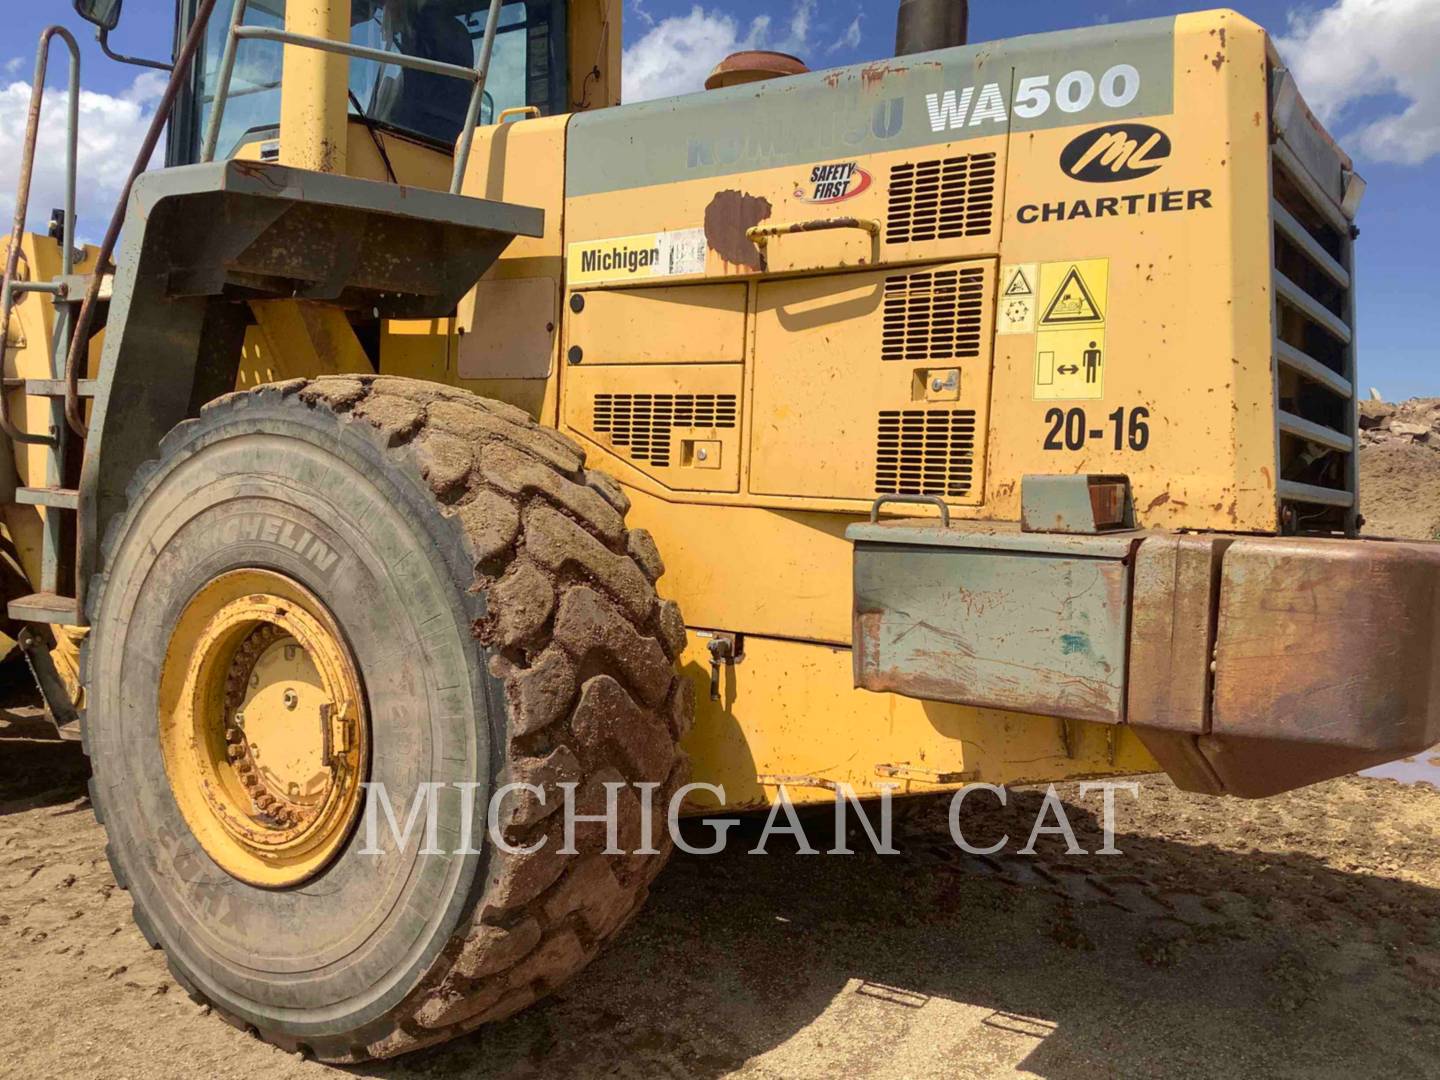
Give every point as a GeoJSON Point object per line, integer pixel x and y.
{"type": "Point", "coordinates": [527, 68]}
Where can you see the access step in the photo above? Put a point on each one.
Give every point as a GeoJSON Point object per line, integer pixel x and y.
{"type": "Point", "coordinates": [61, 498]}
{"type": "Point", "coordinates": [35, 722]}
{"type": "Point", "coordinates": [45, 608]}
{"type": "Point", "coordinates": [51, 388]}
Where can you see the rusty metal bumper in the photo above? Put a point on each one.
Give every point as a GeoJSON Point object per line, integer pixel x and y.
{"type": "Point", "coordinates": [1247, 665]}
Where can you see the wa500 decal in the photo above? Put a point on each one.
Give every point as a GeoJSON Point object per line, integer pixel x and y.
{"type": "Point", "coordinates": [1035, 96]}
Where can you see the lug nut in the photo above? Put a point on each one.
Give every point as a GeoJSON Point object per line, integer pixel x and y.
{"type": "Point", "coordinates": [291, 699]}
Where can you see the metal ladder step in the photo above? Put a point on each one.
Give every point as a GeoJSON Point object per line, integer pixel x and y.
{"type": "Point", "coordinates": [61, 498]}
{"type": "Point", "coordinates": [45, 608]}
{"type": "Point", "coordinates": [50, 388]}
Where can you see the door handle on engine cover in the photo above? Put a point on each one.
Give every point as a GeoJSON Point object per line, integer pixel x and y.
{"type": "Point", "coordinates": [761, 234]}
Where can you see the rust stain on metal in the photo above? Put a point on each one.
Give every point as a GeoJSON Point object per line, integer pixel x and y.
{"type": "Point", "coordinates": [873, 74]}
{"type": "Point", "coordinates": [730, 214]}
{"type": "Point", "coordinates": [1076, 696]}
{"type": "Point", "coordinates": [774, 780]}
{"type": "Point", "coordinates": [906, 771]}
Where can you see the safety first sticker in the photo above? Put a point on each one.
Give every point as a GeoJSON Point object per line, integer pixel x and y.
{"type": "Point", "coordinates": [636, 258]}
{"type": "Point", "coordinates": [1070, 304]}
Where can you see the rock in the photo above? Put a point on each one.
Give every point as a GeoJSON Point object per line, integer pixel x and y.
{"type": "Point", "coordinates": [1374, 414]}
{"type": "Point", "coordinates": [1408, 427]}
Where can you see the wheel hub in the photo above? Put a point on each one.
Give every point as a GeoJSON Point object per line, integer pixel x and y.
{"type": "Point", "coordinates": [262, 727]}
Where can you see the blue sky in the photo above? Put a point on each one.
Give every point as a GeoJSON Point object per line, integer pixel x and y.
{"type": "Point", "coordinates": [1366, 65]}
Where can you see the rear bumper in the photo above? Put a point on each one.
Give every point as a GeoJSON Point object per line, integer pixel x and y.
{"type": "Point", "coordinates": [1247, 665]}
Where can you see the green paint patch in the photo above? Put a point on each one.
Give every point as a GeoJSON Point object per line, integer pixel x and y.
{"type": "Point", "coordinates": [1074, 643]}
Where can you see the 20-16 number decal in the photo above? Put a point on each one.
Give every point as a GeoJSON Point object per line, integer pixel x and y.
{"type": "Point", "coordinates": [1070, 429]}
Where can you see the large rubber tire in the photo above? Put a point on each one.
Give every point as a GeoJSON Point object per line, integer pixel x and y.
{"type": "Point", "coordinates": [506, 628]}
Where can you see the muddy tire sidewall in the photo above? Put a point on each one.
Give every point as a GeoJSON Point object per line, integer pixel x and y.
{"type": "Point", "coordinates": [265, 486]}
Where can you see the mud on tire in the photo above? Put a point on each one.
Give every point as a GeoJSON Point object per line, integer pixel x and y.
{"type": "Point", "coordinates": [507, 629]}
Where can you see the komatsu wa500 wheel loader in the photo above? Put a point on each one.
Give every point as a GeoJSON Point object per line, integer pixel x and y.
{"type": "Point", "coordinates": [985, 414]}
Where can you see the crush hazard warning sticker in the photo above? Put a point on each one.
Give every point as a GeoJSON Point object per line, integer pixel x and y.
{"type": "Point", "coordinates": [1072, 305]}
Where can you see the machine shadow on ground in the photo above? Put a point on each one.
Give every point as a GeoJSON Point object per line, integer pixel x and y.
{"type": "Point", "coordinates": [1207, 951]}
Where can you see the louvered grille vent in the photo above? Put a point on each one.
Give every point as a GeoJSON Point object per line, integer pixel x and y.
{"type": "Point", "coordinates": [941, 199]}
{"type": "Point", "coordinates": [925, 452]}
{"type": "Point", "coordinates": [934, 315]}
{"type": "Point", "coordinates": [642, 422]}
{"type": "Point", "coordinates": [1314, 349]}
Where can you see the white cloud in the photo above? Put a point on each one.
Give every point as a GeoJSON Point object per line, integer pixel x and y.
{"type": "Point", "coordinates": [111, 130]}
{"type": "Point", "coordinates": [1357, 49]}
{"type": "Point", "coordinates": [676, 53]}
{"type": "Point", "coordinates": [850, 39]}
{"type": "Point", "coordinates": [638, 7]}
{"type": "Point", "coordinates": [799, 34]}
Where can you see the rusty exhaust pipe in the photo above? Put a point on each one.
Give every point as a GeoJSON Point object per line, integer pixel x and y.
{"type": "Point", "coordinates": [923, 25]}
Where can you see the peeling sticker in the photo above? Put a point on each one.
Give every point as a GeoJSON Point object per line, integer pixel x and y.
{"type": "Point", "coordinates": [636, 258]}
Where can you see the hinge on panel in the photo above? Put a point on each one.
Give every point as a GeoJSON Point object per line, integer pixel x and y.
{"type": "Point", "coordinates": [725, 649]}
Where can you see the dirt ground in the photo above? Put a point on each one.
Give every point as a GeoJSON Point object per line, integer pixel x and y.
{"type": "Point", "coordinates": [1400, 490]}
{"type": "Point", "coordinates": [1400, 468]}
{"type": "Point", "coordinates": [1297, 936]}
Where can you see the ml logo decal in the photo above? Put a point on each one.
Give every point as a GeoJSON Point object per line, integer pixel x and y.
{"type": "Point", "coordinates": [1115, 152]}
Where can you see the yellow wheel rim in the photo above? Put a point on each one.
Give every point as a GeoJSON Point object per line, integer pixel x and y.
{"type": "Point", "coordinates": [263, 728]}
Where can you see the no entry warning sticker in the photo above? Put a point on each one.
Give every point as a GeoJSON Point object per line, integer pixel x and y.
{"type": "Point", "coordinates": [1072, 303]}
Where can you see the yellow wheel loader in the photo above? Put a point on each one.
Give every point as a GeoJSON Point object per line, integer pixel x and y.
{"type": "Point", "coordinates": [434, 426]}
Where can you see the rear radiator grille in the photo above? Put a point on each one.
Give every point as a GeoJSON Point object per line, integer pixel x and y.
{"type": "Point", "coordinates": [925, 452]}
{"type": "Point", "coordinates": [941, 199]}
{"type": "Point", "coordinates": [641, 423]}
{"type": "Point", "coordinates": [933, 315]}
{"type": "Point", "coordinates": [1314, 351]}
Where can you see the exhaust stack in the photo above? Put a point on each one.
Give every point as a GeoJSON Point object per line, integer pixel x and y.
{"type": "Point", "coordinates": [923, 25]}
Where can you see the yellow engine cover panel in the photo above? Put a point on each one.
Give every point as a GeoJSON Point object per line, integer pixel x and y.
{"type": "Point", "coordinates": [873, 383]}
{"type": "Point", "coordinates": [679, 423]}
{"type": "Point", "coordinates": [687, 324]}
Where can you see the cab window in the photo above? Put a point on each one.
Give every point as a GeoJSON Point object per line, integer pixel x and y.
{"type": "Point", "coordinates": [526, 68]}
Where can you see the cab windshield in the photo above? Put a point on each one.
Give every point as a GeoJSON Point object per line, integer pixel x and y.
{"type": "Point", "coordinates": [525, 69]}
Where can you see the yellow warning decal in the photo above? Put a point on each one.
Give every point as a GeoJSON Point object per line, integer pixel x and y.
{"type": "Point", "coordinates": [1070, 329]}
{"type": "Point", "coordinates": [1017, 298]}
{"type": "Point", "coordinates": [1072, 302]}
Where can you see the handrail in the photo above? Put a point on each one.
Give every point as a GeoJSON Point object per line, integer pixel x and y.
{"type": "Point", "coordinates": [477, 94]}
{"type": "Point", "coordinates": [918, 500]}
{"type": "Point", "coordinates": [760, 234]}
{"type": "Point", "coordinates": [355, 52]}
{"type": "Point", "coordinates": [80, 338]}
{"type": "Point", "coordinates": [22, 201]}
{"type": "Point", "coordinates": [476, 75]}
{"type": "Point", "coordinates": [527, 111]}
